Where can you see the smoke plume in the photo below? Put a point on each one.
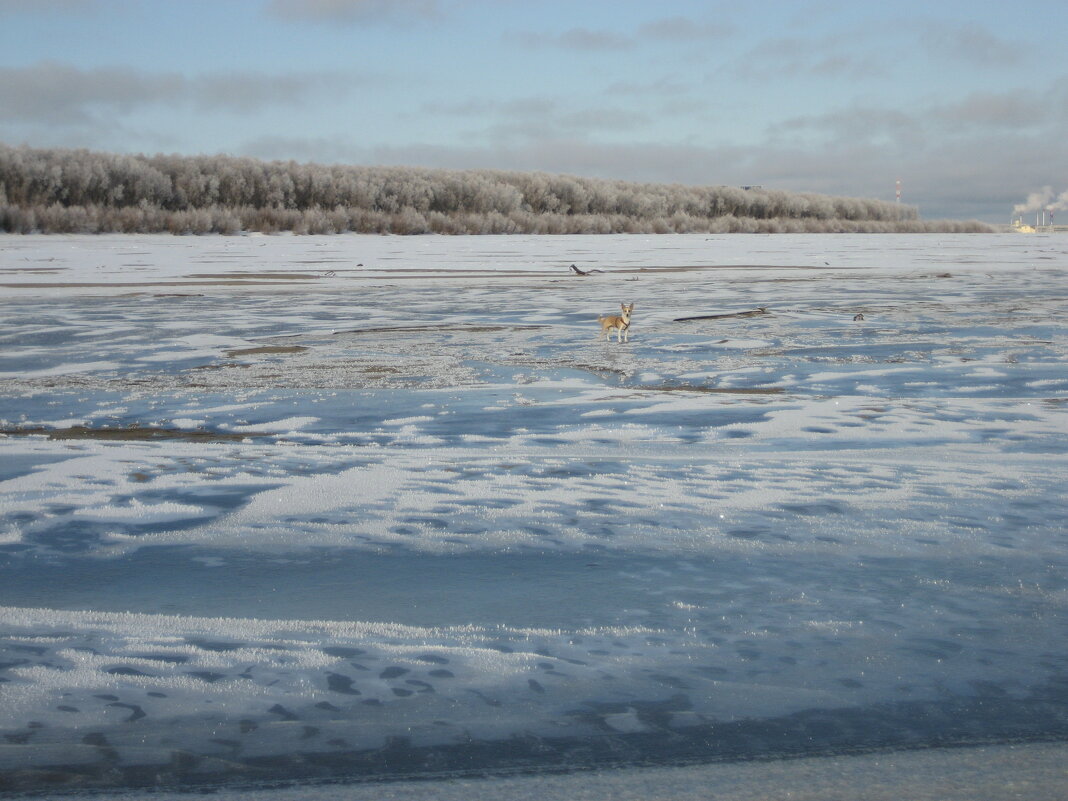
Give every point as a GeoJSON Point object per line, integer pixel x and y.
{"type": "Point", "coordinates": [1060, 204]}
{"type": "Point", "coordinates": [1036, 201]}
{"type": "Point", "coordinates": [1041, 202]}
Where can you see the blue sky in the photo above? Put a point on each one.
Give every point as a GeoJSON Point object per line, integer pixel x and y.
{"type": "Point", "coordinates": [965, 102]}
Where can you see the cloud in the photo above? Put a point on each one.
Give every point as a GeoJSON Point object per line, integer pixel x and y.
{"type": "Point", "coordinates": [1016, 109]}
{"type": "Point", "coordinates": [971, 43]}
{"type": "Point", "coordinates": [60, 94]}
{"type": "Point", "coordinates": [659, 88]}
{"type": "Point", "coordinates": [10, 7]}
{"type": "Point", "coordinates": [850, 125]}
{"type": "Point", "coordinates": [575, 39]}
{"type": "Point", "coordinates": [242, 92]}
{"type": "Point", "coordinates": [462, 108]}
{"type": "Point", "coordinates": [675, 30]}
{"type": "Point", "coordinates": [684, 29]}
{"type": "Point", "coordinates": [351, 12]}
{"type": "Point", "coordinates": [533, 118]}
{"type": "Point", "coordinates": [1020, 111]}
{"type": "Point", "coordinates": [56, 93]}
{"type": "Point", "coordinates": [789, 57]}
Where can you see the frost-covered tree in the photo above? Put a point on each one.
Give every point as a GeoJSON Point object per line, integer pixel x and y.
{"type": "Point", "coordinates": [52, 190]}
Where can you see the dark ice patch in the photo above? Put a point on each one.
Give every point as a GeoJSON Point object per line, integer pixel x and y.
{"type": "Point", "coordinates": [206, 675]}
{"type": "Point", "coordinates": [136, 712]}
{"type": "Point", "coordinates": [433, 659]}
{"type": "Point", "coordinates": [171, 659]}
{"type": "Point", "coordinates": [336, 682]}
{"type": "Point", "coordinates": [815, 509]}
{"type": "Point", "coordinates": [215, 645]}
{"type": "Point", "coordinates": [282, 712]}
{"type": "Point", "coordinates": [343, 652]}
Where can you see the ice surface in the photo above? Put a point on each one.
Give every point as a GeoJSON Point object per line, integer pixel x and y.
{"type": "Point", "coordinates": [411, 516]}
{"type": "Point", "coordinates": [1032, 772]}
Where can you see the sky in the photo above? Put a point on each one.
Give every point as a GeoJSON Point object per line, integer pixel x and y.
{"type": "Point", "coordinates": [964, 102]}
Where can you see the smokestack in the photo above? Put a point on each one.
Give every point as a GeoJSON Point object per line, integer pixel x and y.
{"type": "Point", "coordinates": [898, 190]}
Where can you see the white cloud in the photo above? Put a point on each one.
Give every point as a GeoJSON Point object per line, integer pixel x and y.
{"type": "Point", "coordinates": [46, 6]}
{"type": "Point", "coordinates": [57, 93]}
{"type": "Point", "coordinates": [60, 94]}
{"type": "Point", "coordinates": [582, 39]}
{"type": "Point", "coordinates": [674, 30]}
{"type": "Point", "coordinates": [788, 57]}
{"type": "Point", "coordinates": [533, 118]}
{"type": "Point", "coordinates": [350, 12]}
{"type": "Point", "coordinates": [664, 87]}
{"type": "Point", "coordinates": [852, 124]}
{"type": "Point", "coordinates": [684, 29]}
{"type": "Point", "coordinates": [1013, 110]}
{"type": "Point", "coordinates": [971, 43]}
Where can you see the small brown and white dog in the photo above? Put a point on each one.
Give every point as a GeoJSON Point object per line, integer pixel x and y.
{"type": "Point", "coordinates": [620, 323]}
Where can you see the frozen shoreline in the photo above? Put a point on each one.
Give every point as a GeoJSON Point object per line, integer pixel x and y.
{"type": "Point", "coordinates": [105, 263]}
{"type": "Point", "coordinates": [1028, 772]}
{"type": "Point", "coordinates": [164, 700]}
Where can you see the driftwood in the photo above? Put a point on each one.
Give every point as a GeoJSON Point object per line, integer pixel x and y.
{"type": "Point", "coordinates": [410, 329]}
{"type": "Point", "coordinates": [134, 433]}
{"type": "Point", "coordinates": [753, 313]}
{"type": "Point", "coordinates": [577, 271]}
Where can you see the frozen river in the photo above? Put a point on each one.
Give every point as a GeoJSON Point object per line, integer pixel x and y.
{"type": "Point", "coordinates": [377, 507]}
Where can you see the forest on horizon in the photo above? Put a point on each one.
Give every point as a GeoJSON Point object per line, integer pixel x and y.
{"type": "Point", "coordinates": [81, 191]}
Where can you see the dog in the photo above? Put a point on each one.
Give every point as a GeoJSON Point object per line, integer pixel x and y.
{"type": "Point", "coordinates": [620, 323]}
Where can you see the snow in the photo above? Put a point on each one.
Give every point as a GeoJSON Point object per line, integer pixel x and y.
{"type": "Point", "coordinates": [289, 424]}
{"type": "Point", "coordinates": [418, 509]}
{"type": "Point", "coordinates": [141, 512]}
{"type": "Point", "coordinates": [1035, 772]}
{"type": "Point", "coordinates": [62, 369]}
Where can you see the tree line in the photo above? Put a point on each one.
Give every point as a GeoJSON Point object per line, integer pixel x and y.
{"type": "Point", "coordinates": [82, 191]}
